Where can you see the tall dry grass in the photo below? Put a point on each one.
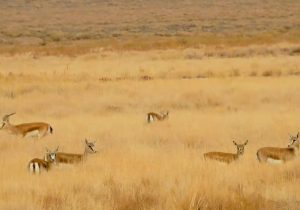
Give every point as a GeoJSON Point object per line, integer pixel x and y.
{"type": "Point", "coordinates": [205, 62]}
{"type": "Point", "coordinates": [157, 166]}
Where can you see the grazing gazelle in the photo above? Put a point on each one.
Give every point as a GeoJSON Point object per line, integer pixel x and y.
{"type": "Point", "coordinates": [36, 165]}
{"type": "Point", "coordinates": [152, 116]}
{"type": "Point", "coordinates": [70, 158]}
{"type": "Point", "coordinates": [35, 129]}
{"type": "Point", "coordinates": [279, 155]}
{"type": "Point", "coordinates": [226, 157]}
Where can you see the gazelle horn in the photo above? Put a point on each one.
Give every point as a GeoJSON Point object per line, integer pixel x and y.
{"type": "Point", "coordinates": [6, 117]}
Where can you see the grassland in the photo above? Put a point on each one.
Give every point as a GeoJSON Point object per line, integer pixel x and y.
{"type": "Point", "coordinates": [225, 71]}
{"type": "Point", "coordinates": [105, 96]}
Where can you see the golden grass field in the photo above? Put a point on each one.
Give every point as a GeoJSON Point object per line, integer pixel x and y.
{"type": "Point", "coordinates": [225, 71]}
{"type": "Point", "coordinates": [105, 96]}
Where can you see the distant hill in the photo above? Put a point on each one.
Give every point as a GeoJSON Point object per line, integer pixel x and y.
{"type": "Point", "coordinates": [39, 22]}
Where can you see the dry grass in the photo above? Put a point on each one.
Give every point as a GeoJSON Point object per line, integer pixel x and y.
{"type": "Point", "coordinates": [206, 62]}
{"type": "Point", "coordinates": [225, 70]}
{"type": "Point", "coordinates": [156, 166]}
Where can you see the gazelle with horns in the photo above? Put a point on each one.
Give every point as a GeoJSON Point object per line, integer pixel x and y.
{"type": "Point", "coordinates": [227, 157]}
{"type": "Point", "coordinates": [152, 116]}
{"type": "Point", "coordinates": [279, 155]}
{"type": "Point", "coordinates": [69, 158]}
{"type": "Point", "coordinates": [36, 165]}
{"type": "Point", "coordinates": [34, 129]}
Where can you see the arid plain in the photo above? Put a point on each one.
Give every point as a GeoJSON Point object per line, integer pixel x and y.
{"type": "Point", "coordinates": [215, 89]}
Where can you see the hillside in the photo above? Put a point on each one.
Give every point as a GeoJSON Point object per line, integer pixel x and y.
{"type": "Point", "coordinates": [152, 24]}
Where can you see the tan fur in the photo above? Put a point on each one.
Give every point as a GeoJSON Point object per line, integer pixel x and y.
{"type": "Point", "coordinates": [157, 116]}
{"type": "Point", "coordinates": [221, 156]}
{"type": "Point", "coordinates": [226, 157]}
{"type": "Point", "coordinates": [69, 158]}
{"type": "Point", "coordinates": [36, 165]}
{"type": "Point", "coordinates": [43, 165]}
{"type": "Point", "coordinates": [41, 128]}
{"type": "Point", "coordinates": [266, 154]}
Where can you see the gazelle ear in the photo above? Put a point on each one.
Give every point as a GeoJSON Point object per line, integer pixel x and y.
{"type": "Point", "coordinates": [86, 141]}
{"type": "Point", "coordinates": [246, 143]}
{"type": "Point", "coordinates": [47, 150]}
{"type": "Point", "coordinates": [297, 134]}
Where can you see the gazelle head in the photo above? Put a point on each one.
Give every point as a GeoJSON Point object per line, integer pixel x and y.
{"type": "Point", "coordinates": [51, 155]}
{"type": "Point", "coordinates": [90, 147]}
{"type": "Point", "coordinates": [294, 141]}
{"type": "Point", "coordinates": [165, 114]}
{"type": "Point", "coordinates": [240, 147]}
{"type": "Point", "coordinates": [5, 120]}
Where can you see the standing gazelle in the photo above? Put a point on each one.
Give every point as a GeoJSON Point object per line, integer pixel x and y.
{"type": "Point", "coordinates": [70, 158]}
{"type": "Point", "coordinates": [36, 165]}
{"type": "Point", "coordinates": [152, 116]}
{"type": "Point", "coordinates": [227, 157]}
{"type": "Point", "coordinates": [35, 129]}
{"type": "Point", "coordinates": [279, 155]}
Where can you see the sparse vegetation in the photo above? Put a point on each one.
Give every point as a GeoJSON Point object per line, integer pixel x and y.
{"type": "Point", "coordinates": [226, 70]}
{"type": "Point", "coordinates": [143, 25]}
{"type": "Point", "coordinates": [155, 166]}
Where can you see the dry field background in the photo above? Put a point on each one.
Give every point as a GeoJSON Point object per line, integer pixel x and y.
{"type": "Point", "coordinates": [105, 96]}
{"type": "Point", "coordinates": [225, 71]}
{"type": "Point", "coordinates": [141, 24]}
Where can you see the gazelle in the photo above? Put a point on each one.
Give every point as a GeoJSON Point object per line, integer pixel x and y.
{"type": "Point", "coordinates": [227, 157]}
{"type": "Point", "coordinates": [36, 165]}
{"type": "Point", "coordinates": [279, 155]}
{"type": "Point", "coordinates": [35, 129]}
{"type": "Point", "coordinates": [70, 158]}
{"type": "Point", "coordinates": [152, 116]}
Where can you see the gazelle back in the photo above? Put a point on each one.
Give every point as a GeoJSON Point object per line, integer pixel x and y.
{"type": "Point", "coordinates": [70, 158]}
{"type": "Point", "coordinates": [35, 129]}
{"type": "Point", "coordinates": [279, 155]}
{"type": "Point", "coordinates": [152, 116]}
{"type": "Point", "coordinates": [227, 157]}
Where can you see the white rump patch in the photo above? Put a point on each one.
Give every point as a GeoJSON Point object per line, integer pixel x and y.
{"type": "Point", "coordinates": [151, 118]}
{"type": "Point", "coordinates": [274, 161]}
{"type": "Point", "coordinates": [37, 168]}
{"type": "Point", "coordinates": [31, 167]}
{"type": "Point", "coordinates": [34, 133]}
